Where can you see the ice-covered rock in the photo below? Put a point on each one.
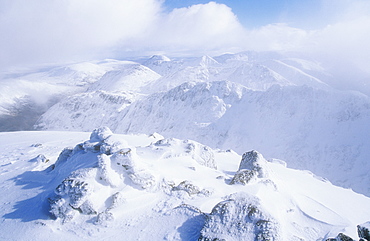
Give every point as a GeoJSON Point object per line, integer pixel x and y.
{"type": "Point", "coordinates": [191, 189]}
{"type": "Point", "coordinates": [252, 166]}
{"type": "Point", "coordinates": [96, 171]}
{"type": "Point", "coordinates": [253, 161]}
{"type": "Point", "coordinates": [240, 217]}
{"type": "Point", "coordinates": [72, 196]}
{"type": "Point", "coordinates": [89, 168]}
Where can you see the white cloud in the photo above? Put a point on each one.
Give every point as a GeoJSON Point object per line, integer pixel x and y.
{"type": "Point", "coordinates": [198, 29]}
{"type": "Point", "coordinates": [52, 30]}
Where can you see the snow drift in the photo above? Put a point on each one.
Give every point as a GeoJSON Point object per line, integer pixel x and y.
{"type": "Point", "coordinates": [149, 187]}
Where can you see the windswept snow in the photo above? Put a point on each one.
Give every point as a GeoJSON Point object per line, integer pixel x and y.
{"type": "Point", "coordinates": [145, 187]}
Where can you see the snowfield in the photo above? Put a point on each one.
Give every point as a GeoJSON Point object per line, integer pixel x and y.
{"type": "Point", "coordinates": [74, 185]}
{"type": "Point", "coordinates": [246, 146]}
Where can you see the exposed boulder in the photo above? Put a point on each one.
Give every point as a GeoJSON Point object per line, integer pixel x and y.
{"type": "Point", "coordinates": [253, 160]}
{"type": "Point", "coordinates": [341, 237]}
{"type": "Point", "coordinates": [243, 177]}
{"type": "Point", "coordinates": [72, 196]}
{"type": "Point", "coordinates": [251, 167]}
{"type": "Point", "coordinates": [241, 217]}
{"type": "Point", "coordinates": [190, 189]}
{"type": "Point", "coordinates": [363, 231]}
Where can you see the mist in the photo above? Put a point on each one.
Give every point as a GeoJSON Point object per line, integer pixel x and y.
{"type": "Point", "coordinates": [51, 31]}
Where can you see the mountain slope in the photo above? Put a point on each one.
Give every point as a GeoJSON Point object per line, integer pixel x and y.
{"type": "Point", "coordinates": [324, 131]}
{"type": "Point", "coordinates": [86, 111]}
{"type": "Point", "coordinates": [130, 77]}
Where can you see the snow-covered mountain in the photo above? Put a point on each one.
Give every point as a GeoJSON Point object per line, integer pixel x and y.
{"type": "Point", "coordinates": [27, 94]}
{"type": "Point", "coordinates": [324, 131]}
{"type": "Point", "coordinates": [180, 184]}
{"type": "Point", "coordinates": [130, 77]}
{"type": "Point", "coordinates": [146, 187]}
{"type": "Point", "coordinates": [82, 111]}
{"type": "Point", "coordinates": [258, 71]}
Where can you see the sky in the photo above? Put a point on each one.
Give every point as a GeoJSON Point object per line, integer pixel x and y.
{"type": "Point", "coordinates": [254, 14]}
{"type": "Point", "coordinates": [335, 32]}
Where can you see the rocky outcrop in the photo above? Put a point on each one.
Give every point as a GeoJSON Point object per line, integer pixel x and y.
{"type": "Point", "coordinates": [341, 237]}
{"type": "Point", "coordinates": [89, 171]}
{"type": "Point", "coordinates": [191, 189]}
{"type": "Point", "coordinates": [94, 172]}
{"type": "Point", "coordinates": [240, 217]}
{"type": "Point", "coordinates": [252, 166]}
{"type": "Point", "coordinates": [363, 231]}
{"type": "Point", "coordinates": [200, 153]}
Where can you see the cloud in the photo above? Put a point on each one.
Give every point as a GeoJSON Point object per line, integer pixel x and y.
{"type": "Point", "coordinates": [210, 28]}
{"type": "Point", "coordinates": [203, 26]}
{"type": "Point", "coordinates": [53, 30]}
{"type": "Point", "coordinates": [38, 31]}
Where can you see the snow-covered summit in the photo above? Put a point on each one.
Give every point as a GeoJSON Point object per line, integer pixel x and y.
{"type": "Point", "coordinates": [148, 188]}
{"type": "Point", "coordinates": [130, 77]}
{"type": "Point", "coordinates": [156, 60]}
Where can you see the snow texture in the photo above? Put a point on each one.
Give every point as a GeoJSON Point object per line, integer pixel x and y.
{"type": "Point", "coordinates": [143, 187]}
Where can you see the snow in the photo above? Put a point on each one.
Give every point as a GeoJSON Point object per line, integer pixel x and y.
{"type": "Point", "coordinates": [183, 164]}
{"type": "Point", "coordinates": [319, 130]}
{"type": "Point", "coordinates": [144, 187]}
{"type": "Point", "coordinates": [130, 77]}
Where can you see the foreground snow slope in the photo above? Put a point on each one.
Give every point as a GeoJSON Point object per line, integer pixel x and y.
{"type": "Point", "coordinates": [146, 187]}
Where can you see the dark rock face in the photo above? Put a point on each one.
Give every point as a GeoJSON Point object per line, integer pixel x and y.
{"type": "Point", "coordinates": [341, 237]}
{"type": "Point", "coordinates": [363, 231]}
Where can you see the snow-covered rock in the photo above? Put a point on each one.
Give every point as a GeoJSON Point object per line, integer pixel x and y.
{"type": "Point", "coordinates": [113, 164]}
{"type": "Point", "coordinates": [123, 185]}
{"type": "Point", "coordinates": [240, 217]}
{"type": "Point", "coordinates": [174, 147]}
{"type": "Point", "coordinates": [252, 166]}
